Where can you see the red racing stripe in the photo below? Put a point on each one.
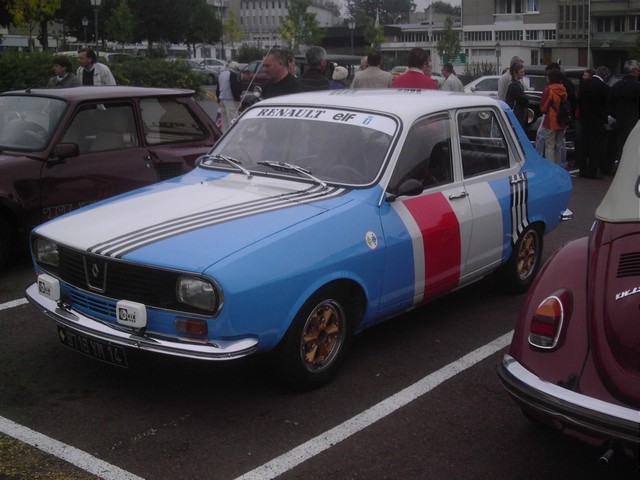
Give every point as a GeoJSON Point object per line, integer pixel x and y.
{"type": "Point", "coordinates": [441, 242]}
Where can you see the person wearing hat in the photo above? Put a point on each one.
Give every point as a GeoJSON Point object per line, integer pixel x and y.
{"type": "Point", "coordinates": [338, 79]}
{"type": "Point", "coordinates": [228, 92]}
{"type": "Point", "coordinates": [63, 77]}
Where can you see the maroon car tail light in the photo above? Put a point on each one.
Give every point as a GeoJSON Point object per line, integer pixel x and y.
{"type": "Point", "coordinates": [549, 319]}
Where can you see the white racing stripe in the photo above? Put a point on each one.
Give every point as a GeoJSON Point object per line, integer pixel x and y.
{"type": "Point", "coordinates": [328, 439]}
{"type": "Point", "coordinates": [286, 461]}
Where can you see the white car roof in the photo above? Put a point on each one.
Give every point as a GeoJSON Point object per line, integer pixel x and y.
{"type": "Point", "coordinates": [622, 201]}
{"type": "Point", "coordinates": [408, 104]}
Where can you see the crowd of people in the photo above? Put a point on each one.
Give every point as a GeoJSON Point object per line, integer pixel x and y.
{"type": "Point", "coordinates": [590, 107]}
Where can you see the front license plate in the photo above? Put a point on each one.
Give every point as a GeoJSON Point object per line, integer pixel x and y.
{"type": "Point", "coordinates": [102, 351]}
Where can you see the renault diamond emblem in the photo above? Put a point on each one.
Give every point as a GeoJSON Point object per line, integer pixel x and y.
{"type": "Point", "coordinates": [95, 274]}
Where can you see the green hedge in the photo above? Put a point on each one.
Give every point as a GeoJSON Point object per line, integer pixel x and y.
{"type": "Point", "coordinates": [23, 70]}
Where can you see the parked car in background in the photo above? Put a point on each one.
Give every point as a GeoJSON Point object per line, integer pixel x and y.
{"type": "Point", "coordinates": [212, 64]}
{"type": "Point", "coordinates": [253, 75]}
{"type": "Point", "coordinates": [315, 216]}
{"type": "Point", "coordinates": [399, 70]}
{"type": "Point", "coordinates": [207, 76]}
{"type": "Point", "coordinates": [485, 85]}
{"type": "Point", "coordinates": [61, 149]}
{"type": "Point", "coordinates": [574, 361]}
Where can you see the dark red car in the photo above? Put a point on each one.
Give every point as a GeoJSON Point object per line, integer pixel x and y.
{"type": "Point", "coordinates": [574, 361]}
{"type": "Point", "coordinates": [61, 149]}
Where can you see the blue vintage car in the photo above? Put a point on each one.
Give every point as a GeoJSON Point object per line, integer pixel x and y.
{"type": "Point", "coordinates": [315, 216]}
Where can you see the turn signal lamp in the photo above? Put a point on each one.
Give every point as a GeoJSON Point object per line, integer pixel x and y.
{"type": "Point", "coordinates": [548, 320]}
{"type": "Point", "coordinates": [192, 326]}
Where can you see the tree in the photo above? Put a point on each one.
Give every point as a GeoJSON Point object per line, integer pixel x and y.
{"type": "Point", "coordinates": [121, 24]}
{"type": "Point", "coordinates": [203, 27]}
{"type": "Point", "coordinates": [374, 34]}
{"type": "Point", "coordinates": [386, 10]}
{"type": "Point", "coordinates": [300, 27]}
{"type": "Point", "coordinates": [27, 14]}
{"type": "Point", "coordinates": [449, 44]}
{"type": "Point", "coordinates": [162, 20]}
{"type": "Point", "coordinates": [446, 8]}
{"type": "Point", "coordinates": [232, 32]}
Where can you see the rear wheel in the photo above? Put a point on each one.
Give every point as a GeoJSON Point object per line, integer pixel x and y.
{"type": "Point", "coordinates": [316, 343]}
{"type": "Point", "coordinates": [522, 267]}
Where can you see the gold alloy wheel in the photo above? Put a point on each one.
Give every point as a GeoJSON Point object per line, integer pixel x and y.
{"type": "Point", "coordinates": [528, 254]}
{"type": "Point", "coordinates": [323, 335]}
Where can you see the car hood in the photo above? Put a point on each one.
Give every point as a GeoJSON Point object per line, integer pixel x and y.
{"type": "Point", "coordinates": [614, 293]}
{"type": "Point", "coordinates": [190, 223]}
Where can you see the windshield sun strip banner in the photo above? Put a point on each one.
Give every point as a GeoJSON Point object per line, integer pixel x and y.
{"type": "Point", "coordinates": [370, 120]}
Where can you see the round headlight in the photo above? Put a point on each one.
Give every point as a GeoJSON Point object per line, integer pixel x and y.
{"type": "Point", "coordinates": [46, 252]}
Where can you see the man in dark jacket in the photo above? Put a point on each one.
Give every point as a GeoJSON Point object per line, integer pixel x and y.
{"type": "Point", "coordinates": [314, 78]}
{"type": "Point", "coordinates": [593, 103]}
{"type": "Point", "coordinates": [625, 103]}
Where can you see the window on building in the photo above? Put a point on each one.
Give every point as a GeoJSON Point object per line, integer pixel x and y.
{"type": "Point", "coordinates": [634, 23]}
{"type": "Point", "coordinates": [533, 6]}
{"type": "Point", "coordinates": [509, 6]}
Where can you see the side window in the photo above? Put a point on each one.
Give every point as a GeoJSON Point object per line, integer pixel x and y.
{"type": "Point", "coordinates": [100, 127]}
{"type": "Point", "coordinates": [168, 121]}
{"type": "Point", "coordinates": [426, 154]}
{"type": "Point", "coordinates": [483, 147]}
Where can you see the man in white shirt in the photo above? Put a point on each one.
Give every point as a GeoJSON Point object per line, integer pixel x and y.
{"type": "Point", "coordinates": [451, 82]}
{"type": "Point", "coordinates": [503, 81]}
{"type": "Point", "coordinates": [90, 71]}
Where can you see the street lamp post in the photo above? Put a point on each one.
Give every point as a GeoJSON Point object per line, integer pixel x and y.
{"type": "Point", "coordinates": [498, 52]}
{"type": "Point", "coordinates": [96, 4]}
{"type": "Point", "coordinates": [85, 23]}
{"type": "Point", "coordinates": [352, 26]}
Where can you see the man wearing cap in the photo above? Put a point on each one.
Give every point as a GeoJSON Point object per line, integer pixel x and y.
{"type": "Point", "coordinates": [228, 92]}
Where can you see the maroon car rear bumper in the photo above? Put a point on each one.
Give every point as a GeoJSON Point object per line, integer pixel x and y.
{"type": "Point", "coordinates": [589, 416]}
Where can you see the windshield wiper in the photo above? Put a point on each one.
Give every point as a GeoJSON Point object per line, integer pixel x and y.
{"type": "Point", "coordinates": [229, 161]}
{"type": "Point", "coordinates": [289, 167]}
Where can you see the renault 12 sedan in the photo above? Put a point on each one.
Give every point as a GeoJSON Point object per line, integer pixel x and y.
{"type": "Point", "coordinates": [315, 216]}
{"type": "Point", "coordinates": [61, 149]}
{"type": "Point", "coordinates": [574, 361]}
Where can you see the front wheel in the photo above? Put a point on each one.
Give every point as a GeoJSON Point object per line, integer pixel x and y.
{"type": "Point", "coordinates": [522, 267]}
{"type": "Point", "coordinates": [313, 348]}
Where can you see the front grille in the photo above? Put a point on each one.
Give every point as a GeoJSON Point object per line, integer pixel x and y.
{"type": "Point", "coordinates": [629, 265]}
{"type": "Point", "coordinates": [137, 283]}
{"type": "Point", "coordinates": [101, 308]}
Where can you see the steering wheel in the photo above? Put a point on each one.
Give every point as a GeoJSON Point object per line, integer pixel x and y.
{"type": "Point", "coordinates": [33, 133]}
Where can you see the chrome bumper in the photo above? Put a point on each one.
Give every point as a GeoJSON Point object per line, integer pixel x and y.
{"type": "Point", "coordinates": [77, 322]}
{"type": "Point", "coordinates": [581, 412]}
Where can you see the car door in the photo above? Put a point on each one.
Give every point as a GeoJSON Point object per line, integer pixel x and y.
{"type": "Point", "coordinates": [427, 234]}
{"type": "Point", "coordinates": [111, 159]}
{"type": "Point", "coordinates": [496, 189]}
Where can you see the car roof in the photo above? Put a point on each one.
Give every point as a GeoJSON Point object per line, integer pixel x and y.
{"type": "Point", "coordinates": [101, 92]}
{"type": "Point", "coordinates": [622, 201]}
{"type": "Point", "coordinates": [408, 104]}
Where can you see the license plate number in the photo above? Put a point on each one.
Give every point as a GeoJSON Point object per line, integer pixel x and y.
{"type": "Point", "coordinates": [102, 351]}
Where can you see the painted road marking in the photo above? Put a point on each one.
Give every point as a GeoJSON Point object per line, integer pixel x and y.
{"type": "Point", "coordinates": [288, 460]}
{"type": "Point", "coordinates": [328, 439]}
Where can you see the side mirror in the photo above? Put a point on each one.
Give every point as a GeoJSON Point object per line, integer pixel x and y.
{"type": "Point", "coordinates": [62, 151]}
{"type": "Point", "coordinates": [410, 188]}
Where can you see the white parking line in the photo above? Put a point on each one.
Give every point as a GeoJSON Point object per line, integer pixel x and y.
{"type": "Point", "coordinates": [326, 440]}
{"type": "Point", "coordinates": [70, 454]}
{"type": "Point", "coordinates": [13, 303]}
{"type": "Point", "coordinates": [288, 460]}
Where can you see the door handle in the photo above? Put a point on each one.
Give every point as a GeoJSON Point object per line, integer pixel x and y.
{"type": "Point", "coordinates": [148, 160]}
{"type": "Point", "coordinates": [458, 195]}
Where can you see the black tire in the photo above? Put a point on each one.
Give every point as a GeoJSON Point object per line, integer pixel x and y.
{"type": "Point", "coordinates": [315, 345]}
{"type": "Point", "coordinates": [522, 267]}
{"type": "Point", "coordinates": [5, 241]}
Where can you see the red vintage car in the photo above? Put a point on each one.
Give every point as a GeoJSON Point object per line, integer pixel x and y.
{"type": "Point", "coordinates": [574, 361]}
{"type": "Point", "coordinates": [61, 149]}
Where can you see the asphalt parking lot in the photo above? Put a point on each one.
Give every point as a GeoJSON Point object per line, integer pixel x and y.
{"type": "Point", "coordinates": [418, 398]}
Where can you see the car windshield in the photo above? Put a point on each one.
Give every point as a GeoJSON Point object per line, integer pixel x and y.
{"type": "Point", "coordinates": [26, 122]}
{"type": "Point", "coordinates": [331, 145]}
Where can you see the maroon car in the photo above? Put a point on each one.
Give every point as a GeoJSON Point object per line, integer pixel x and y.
{"type": "Point", "coordinates": [574, 361]}
{"type": "Point", "coordinates": [61, 149]}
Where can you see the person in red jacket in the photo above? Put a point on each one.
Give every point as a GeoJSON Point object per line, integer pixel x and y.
{"type": "Point", "coordinates": [552, 131]}
{"type": "Point", "coordinates": [416, 76]}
